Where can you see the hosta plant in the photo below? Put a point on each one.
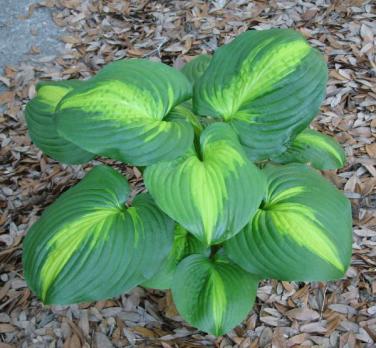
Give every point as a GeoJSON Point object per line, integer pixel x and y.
{"type": "Point", "coordinates": [230, 165]}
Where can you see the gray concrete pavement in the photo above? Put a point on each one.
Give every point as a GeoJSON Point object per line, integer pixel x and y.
{"type": "Point", "coordinates": [18, 36]}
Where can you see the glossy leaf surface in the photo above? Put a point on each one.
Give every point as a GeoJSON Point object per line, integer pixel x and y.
{"type": "Point", "coordinates": [88, 246]}
{"type": "Point", "coordinates": [42, 129]}
{"type": "Point", "coordinates": [196, 67]}
{"type": "Point", "coordinates": [302, 232]}
{"type": "Point", "coordinates": [268, 85]}
{"type": "Point", "coordinates": [122, 113]}
{"type": "Point", "coordinates": [184, 244]}
{"type": "Point", "coordinates": [319, 150]}
{"type": "Point", "coordinates": [213, 295]}
{"type": "Point", "coordinates": [211, 191]}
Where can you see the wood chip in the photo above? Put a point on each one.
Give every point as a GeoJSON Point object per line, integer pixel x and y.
{"type": "Point", "coordinates": [331, 314]}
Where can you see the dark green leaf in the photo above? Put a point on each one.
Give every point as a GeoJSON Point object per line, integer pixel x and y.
{"type": "Point", "coordinates": [212, 191]}
{"type": "Point", "coordinates": [213, 295]}
{"type": "Point", "coordinates": [196, 67]}
{"type": "Point", "coordinates": [268, 85]}
{"type": "Point", "coordinates": [184, 244]}
{"type": "Point", "coordinates": [39, 117]}
{"type": "Point", "coordinates": [88, 246]}
{"type": "Point", "coordinates": [310, 146]}
{"type": "Point", "coordinates": [302, 232]}
{"type": "Point", "coordinates": [122, 113]}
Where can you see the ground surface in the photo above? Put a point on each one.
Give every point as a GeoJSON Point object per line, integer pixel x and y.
{"type": "Point", "coordinates": [26, 33]}
{"type": "Point", "coordinates": [333, 314]}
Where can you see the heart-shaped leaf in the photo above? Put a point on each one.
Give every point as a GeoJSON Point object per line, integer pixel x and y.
{"type": "Point", "coordinates": [184, 244]}
{"type": "Point", "coordinates": [88, 246]}
{"type": "Point", "coordinates": [39, 117]}
{"type": "Point", "coordinates": [310, 146]}
{"type": "Point", "coordinates": [122, 113]}
{"type": "Point", "coordinates": [214, 295]}
{"type": "Point", "coordinates": [196, 67]}
{"type": "Point", "coordinates": [268, 85]}
{"type": "Point", "coordinates": [213, 190]}
{"type": "Point", "coordinates": [302, 232]}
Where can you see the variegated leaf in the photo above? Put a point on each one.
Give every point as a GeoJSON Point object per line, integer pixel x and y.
{"type": "Point", "coordinates": [302, 231]}
{"type": "Point", "coordinates": [212, 190]}
{"type": "Point", "coordinates": [213, 294]}
{"type": "Point", "coordinates": [39, 115]}
{"type": "Point", "coordinates": [319, 150]}
{"type": "Point", "coordinates": [88, 246]}
{"type": "Point", "coordinates": [196, 67]}
{"type": "Point", "coordinates": [123, 113]}
{"type": "Point", "coordinates": [184, 245]}
{"type": "Point", "coordinates": [268, 85]}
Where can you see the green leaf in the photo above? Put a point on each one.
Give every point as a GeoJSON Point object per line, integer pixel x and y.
{"type": "Point", "coordinates": [88, 246]}
{"type": "Point", "coordinates": [310, 146]}
{"type": "Point", "coordinates": [39, 117]}
{"type": "Point", "coordinates": [212, 193]}
{"type": "Point", "coordinates": [196, 67]}
{"type": "Point", "coordinates": [122, 113]}
{"type": "Point", "coordinates": [184, 244]}
{"type": "Point", "coordinates": [302, 232]}
{"type": "Point", "coordinates": [213, 295]}
{"type": "Point", "coordinates": [184, 110]}
{"type": "Point", "coordinates": [268, 85]}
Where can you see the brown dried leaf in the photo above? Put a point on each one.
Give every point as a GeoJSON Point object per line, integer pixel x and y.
{"type": "Point", "coordinates": [371, 150]}
{"type": "Point", "coordinates": [303, 314]}
{"type": "Point", "coordinates": [5, 328]}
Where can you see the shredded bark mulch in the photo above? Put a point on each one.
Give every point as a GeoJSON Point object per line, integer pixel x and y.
{"type": "Point", "coordinates": [331, 314]}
